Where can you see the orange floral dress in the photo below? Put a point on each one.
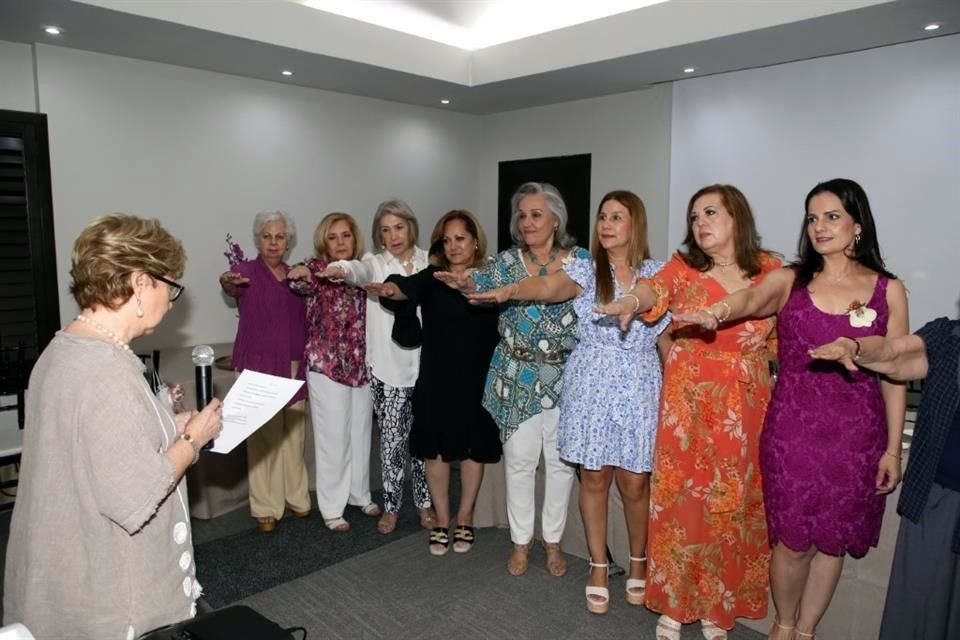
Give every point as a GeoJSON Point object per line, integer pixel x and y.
{"type": "Point", "coordinates": [708, 554]}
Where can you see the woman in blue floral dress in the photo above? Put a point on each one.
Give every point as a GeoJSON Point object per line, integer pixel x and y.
{"type": "Point", "coordinates": [611, 384]}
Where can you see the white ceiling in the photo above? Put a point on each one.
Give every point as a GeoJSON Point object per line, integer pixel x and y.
{"type": "Point", "coordinates": [475, 24]}
{"type": "Point", "coordinates": [613, 54]}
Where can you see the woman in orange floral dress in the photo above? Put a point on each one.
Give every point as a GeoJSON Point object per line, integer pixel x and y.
{"type": "Point", "coordinates": [708, 550]}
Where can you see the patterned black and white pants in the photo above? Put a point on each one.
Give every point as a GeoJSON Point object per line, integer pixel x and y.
{"type": "Point", "coordinates": [394, 411]}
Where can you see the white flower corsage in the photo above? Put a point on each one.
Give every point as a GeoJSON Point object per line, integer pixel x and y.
{"type": "Point", "coordinates": [861, 315]}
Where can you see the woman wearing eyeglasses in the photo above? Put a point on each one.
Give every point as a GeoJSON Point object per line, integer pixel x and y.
{"type": "Point", "coordinates": [100, 543]}
{"type": "Point", "coordinates": [270, 339]}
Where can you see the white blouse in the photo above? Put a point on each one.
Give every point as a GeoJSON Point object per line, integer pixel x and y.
{"type": "Point", "coordinates": [389, 362]}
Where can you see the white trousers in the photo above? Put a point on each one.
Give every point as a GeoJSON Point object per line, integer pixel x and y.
{"type": "Point", "coordinates": [521, 454]}
{"type": "Point", "coordinates": [342, 419]}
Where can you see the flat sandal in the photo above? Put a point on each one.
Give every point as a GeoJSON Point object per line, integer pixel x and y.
{"type": "Point", "coordinates": [517, 563]}
{"type": "Point", "coordinates": [556, 561]}
{"type": "Point", "coordinates": [439, 541]}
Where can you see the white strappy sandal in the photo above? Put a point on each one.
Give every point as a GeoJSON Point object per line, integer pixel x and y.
{"type": "Point", "coordinates": [636, 587]}
{"type": "Point", "coordinates": [711, 631]}
{"type": "Point", "coordinates": [598, 598]}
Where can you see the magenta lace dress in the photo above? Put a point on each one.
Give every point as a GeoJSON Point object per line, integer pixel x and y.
{"type": "Point", "coordinates": [823, 436]}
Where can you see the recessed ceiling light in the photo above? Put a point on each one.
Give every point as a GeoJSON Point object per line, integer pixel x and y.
{"type": "Point", "coordinates": [933, 26]}
{"type": "Point", "coordinates": [689, 70]}
{"type": "Point", "coordinates": [53, 30]}
{"type": "Point", "coordinates": [444, 101]}
{"type": "Point", "coordinates": [286, 72]}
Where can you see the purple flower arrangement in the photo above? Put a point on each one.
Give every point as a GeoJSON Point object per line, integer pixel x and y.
{"type": "Point", "coordinates": [233, 254]}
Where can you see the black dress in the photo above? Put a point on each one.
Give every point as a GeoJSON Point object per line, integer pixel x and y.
{"type": "Point", "coordinates": [458, 339]}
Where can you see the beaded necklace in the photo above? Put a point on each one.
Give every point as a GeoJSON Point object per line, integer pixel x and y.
{"type": "Point", "coordinates": [543, 266]}
{"type": "Point", "coordinates": [120, 344]}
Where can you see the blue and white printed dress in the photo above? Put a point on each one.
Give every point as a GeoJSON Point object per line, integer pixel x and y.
{"type": "Point", "coordinates": [611, 384]}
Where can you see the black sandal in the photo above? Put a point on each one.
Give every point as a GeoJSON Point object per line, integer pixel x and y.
{"type": "Point", "coordinates": [439, 541]}
{"type": "Point", "coordinates": [462, 538]}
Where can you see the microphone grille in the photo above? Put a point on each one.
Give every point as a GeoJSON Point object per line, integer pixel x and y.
{"type": "Point", "coordinates": [202, 355]}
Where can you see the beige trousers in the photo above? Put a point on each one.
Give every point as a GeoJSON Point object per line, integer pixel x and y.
{"type": "Point", "coordinates": [276, 470]}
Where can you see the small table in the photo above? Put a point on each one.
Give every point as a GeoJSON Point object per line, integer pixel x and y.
{"type": "Point", "coordinates": [218, 482]}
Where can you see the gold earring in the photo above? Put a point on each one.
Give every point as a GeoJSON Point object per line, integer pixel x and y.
{"type": "Point", "coordinates": [139, 307]}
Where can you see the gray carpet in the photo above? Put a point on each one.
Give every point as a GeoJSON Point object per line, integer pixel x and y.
{"type": "Point", "coordinates": [399, 591]}
{"type": "Point", "coordinates": [237, 565]}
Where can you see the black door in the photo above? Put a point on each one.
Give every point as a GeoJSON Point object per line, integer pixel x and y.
{"type": "Point", "coordinates": [569, 174]}
{"type": "Point", "coordinates": [29, 307]}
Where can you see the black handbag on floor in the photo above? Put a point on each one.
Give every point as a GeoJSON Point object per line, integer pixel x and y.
{"type": "Point", "coordinates": [238, 622]}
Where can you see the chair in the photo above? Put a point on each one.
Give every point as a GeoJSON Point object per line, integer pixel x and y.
{"type": "Point", "coordinates": [152, 371]}
{"type": "Point", "coordinates": [13, 383]}
{"type": "Point", "coordinates": [13, 380]}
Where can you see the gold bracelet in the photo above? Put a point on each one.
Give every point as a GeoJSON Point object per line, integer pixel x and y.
{"type": "Point", "coordinates": [186, 437]}
{"type": "Point", "coordinates": [713, 313]}
{"type": "Point", "coordinates": [516, 290]}
{"type": "Point", "coordinates": [726, 315]}
{"type": "Point", "coordinates": [893, 455]}
{"type": "Point", "coordinates": [636, 299]}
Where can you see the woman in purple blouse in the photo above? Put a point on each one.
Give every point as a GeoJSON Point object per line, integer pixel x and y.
{"type": "Point", "coordinates": [340, 400]}
{"type": "Point", "coordinates": [270, 339]}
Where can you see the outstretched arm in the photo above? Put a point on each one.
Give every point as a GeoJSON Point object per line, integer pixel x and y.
{"type": "Point", "coordinates": [556, 287]}
{"type": "Point", "coordinates": [760, 301]}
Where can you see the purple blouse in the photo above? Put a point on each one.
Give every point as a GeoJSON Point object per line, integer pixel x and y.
{"type": "Point", "coordinates": [336, 328]}
{"type": "Point", "coordinates": [271, 332]}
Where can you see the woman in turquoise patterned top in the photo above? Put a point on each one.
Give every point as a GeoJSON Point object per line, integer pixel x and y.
{"type": "Point", "coordinates": [523, 386]}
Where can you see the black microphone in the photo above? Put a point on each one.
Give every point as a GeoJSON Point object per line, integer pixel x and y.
{"type": "Point", "coordinates": [203, 375]}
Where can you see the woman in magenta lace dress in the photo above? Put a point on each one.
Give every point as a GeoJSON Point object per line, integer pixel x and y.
{"type": "Point", "coordinates": [830, 449]}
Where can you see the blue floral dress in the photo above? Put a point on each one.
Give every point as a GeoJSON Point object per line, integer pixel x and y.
{"type": "Point", "coordinates": [611, 385]}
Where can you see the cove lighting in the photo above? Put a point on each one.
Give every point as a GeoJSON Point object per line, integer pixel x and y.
{"type": "Point", "coordinates": [490, 22]}
{"type": "Point", "coordinates": [933, 26]}
{"type": "Point", "coordinates": [53, 30]}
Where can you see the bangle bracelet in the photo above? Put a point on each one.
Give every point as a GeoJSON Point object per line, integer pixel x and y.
{"type": "Point", "coordinates": [714, 314]}
{"type": "Point", "coordinates": [516, 289]}
{"type": "Point", "coordinates": [856, 354]}
{"type": "Point", "coordinates": [186, 437]}
{"type": "Point", "coordinates": [892, 455]}
{"type": "Point", "coordinates": [726, 307]}
{"type": "Point", "coordinates": [635, 299]}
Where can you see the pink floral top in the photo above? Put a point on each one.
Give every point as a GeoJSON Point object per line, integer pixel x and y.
{"type": "Point", "coordinates": [336, 328]}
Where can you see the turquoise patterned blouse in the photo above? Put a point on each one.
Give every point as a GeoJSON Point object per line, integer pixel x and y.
{"type": "Point", "coordinates": [518, 389]}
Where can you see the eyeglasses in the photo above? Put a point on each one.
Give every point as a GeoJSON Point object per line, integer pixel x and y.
{"type": "Point", "coordinates": [175, 287]}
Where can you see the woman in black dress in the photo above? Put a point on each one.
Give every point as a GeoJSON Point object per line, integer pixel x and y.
{"type": "Point", "coordinates": [458, 338]}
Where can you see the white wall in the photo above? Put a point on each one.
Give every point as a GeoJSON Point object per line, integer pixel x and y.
{"type": "Point", "coordinates": [204, 152]}
{"type": "Point", "coordinates": [888, 118]}
{"type": "Point", "coordinates": [628, 136]}
{"type": "Point", "coordinates": [16, 77]}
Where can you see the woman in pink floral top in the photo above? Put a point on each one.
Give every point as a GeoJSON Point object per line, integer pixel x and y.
{"type": "Point", "coordinates": [335, 356]}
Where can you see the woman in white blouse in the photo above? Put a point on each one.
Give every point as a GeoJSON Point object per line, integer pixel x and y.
{"type": "Point", "coordinates": [394, 368]}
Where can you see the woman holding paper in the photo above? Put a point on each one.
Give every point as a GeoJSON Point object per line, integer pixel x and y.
{"type": "Point", "coordinates": [100, 543]}
{"type": "Point", "coordinates": [270, 339]}
{"type": "Point", "coordinates": [340, 401]}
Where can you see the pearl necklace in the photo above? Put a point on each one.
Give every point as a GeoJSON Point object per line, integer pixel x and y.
{"type": "Point", "coordinates": [723, 265]}
{"type": "Point", "coordinates": [120, 344]}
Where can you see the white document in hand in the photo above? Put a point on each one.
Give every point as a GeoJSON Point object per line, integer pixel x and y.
{"type": "Point", "coordinates": [254, 398]}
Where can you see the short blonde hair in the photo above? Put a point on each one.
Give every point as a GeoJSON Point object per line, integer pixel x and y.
{"type": "Point", "coordinates": [437, 256]}
{"type": "Point", "coordinates": [320, 235]}
{"type": "Point", "coordinates": [114, 246]}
